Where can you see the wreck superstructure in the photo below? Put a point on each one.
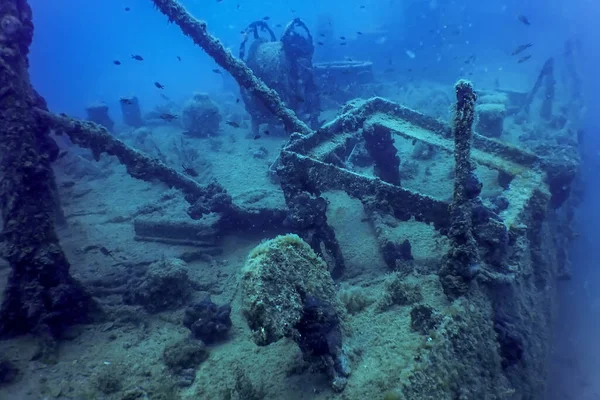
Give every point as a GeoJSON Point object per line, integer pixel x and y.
{"type": "Point", "coordinates": [484, 333]}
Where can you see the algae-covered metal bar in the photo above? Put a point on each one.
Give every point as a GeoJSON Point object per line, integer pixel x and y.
{"type": "Point", "coordinates": [461, 263]}
{"type": "Point", "coordinates": [198, 32]}
{"type": "Point", "coordinates": [41, 296]}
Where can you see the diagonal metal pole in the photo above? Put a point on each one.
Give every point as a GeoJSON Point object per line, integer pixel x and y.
{"type": "Point", "coordinates": [244, 76]}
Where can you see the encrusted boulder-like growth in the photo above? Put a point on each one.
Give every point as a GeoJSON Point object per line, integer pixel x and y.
{"type": "Point", "coordinates": [200, 116]}
{"type": "Point", "coordinates": [288, 292]}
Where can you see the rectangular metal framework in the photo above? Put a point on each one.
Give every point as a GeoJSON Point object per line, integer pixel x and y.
{"type": "Point", "coordinates": [312, 158]}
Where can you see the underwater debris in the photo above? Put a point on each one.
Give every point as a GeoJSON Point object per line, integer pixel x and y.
{"type": "Point", "coordinates": [40, 294]}
{"type": "Point", "coordinates": [200, 116]}
{"type": "Point", "coordinates": [398, 293]}
{"type": "Point", "coordinates": [184, 354]}
{"type": "Point", "coordinates": [98, 113]}
{"type": "Point", "coordinates": [197, 30]}
{"type": "Point", "coordinates": [455, 275]}
{"type": "Point", "coordinates": [320, 340]}
{"type": "Point", "coordinates": [396, 254]}
{"type": "Point", "coordinates": [204, 199]}
{"type": "Point", "coordinates": [490, 119]}
{"type": "Point", "coordinates": [423, 319]}
{"type": "Point", "coordinates": [165, 286]}
{"type": "Point", "coordinates": [131, 112]}
{"type": "Point", "coordinates": [207, 321]}
{"type": "Point", "coordinates": [287, 291]}
{"type": "Point", "coordinates": [296, 87]}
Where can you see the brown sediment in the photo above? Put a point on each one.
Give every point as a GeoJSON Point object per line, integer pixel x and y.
{"type": "Point", "coordinates": [198, 32]}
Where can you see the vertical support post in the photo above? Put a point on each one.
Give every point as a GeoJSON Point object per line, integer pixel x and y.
{"type": "Point", "coordinates": [41, 296]}
{"type": "Point", "coordinates": [461, 264]}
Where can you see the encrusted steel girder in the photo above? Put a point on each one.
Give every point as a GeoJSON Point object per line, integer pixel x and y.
{"type": "Point", "coordinates": [311, 161]}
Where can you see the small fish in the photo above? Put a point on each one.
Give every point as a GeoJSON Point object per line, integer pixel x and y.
{"type": "Point", "coordinates": [343, 44]}
{"type": "Point", "coordinates": [218, 1]}
{"type": "Point", "coordinates": [137, 57]}
{"type": "Point", "coordinates": [359, 33]}
{"type": "Point", "coordinates": [523, 59]}
{"type": "Point", "coordinates": [320, 43]}
{"type": "Point", "coordinates": [237, 100]}
{"type": "Point", "coordinates": [521, 48]}
{"type": "Point", "coordinates": [343, 37]}
{"type": "Point", "coordinates": [125, 100]}
{"type": "Point", "coordinates": [62, 154]}
{"type": "Point", "coordinates": [102, 250]}
{"type": "Point", "coordinates": [158, 85]}
{"type": "Point", "coordinates": [362, 7]}
{"type": "Point", "coordinates": [266, 18]}
{"type": "Point", "coordinates": [127, 8]}
{"type": "Point", "coordinates": [256, 137]}
{"type": "Point", "coordinates": [322, 34]}
{"type": "Point", "coordinates": [189, 171]}
{"type": "Point", "coordinates": [266, 132]}
{"type": "Point", "coordinates": [179, 58]}
{"type": "Point", "coordinates": [233, 124]}
{"type": "Point", "coordinates": [524, 19]}
{"type": "Point", "coordinates": [216, 71]}
{"type": "Point", "coordinates": [168, 117]}
{"type": "Point", "coordinates": [299, 99]}
{"type": "Point", "coordinates": [278, 26]}
{"type": "Point", "coordinates": [165, 97]}
{"type": "Point", "coordinates": [117, 62]}
{"type": "Point", "coordinates": [106, 252]}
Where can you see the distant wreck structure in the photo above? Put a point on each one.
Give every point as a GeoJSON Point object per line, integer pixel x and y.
{"type": "Point", "coordinates": [131, 112]}
{"type": "Point", "coordinates": [284, 65]}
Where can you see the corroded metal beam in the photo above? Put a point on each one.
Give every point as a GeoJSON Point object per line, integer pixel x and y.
{"type": "Point", "coordinates": [41, 296]}
{"type": "Point", "coordinates": [198, 32]}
